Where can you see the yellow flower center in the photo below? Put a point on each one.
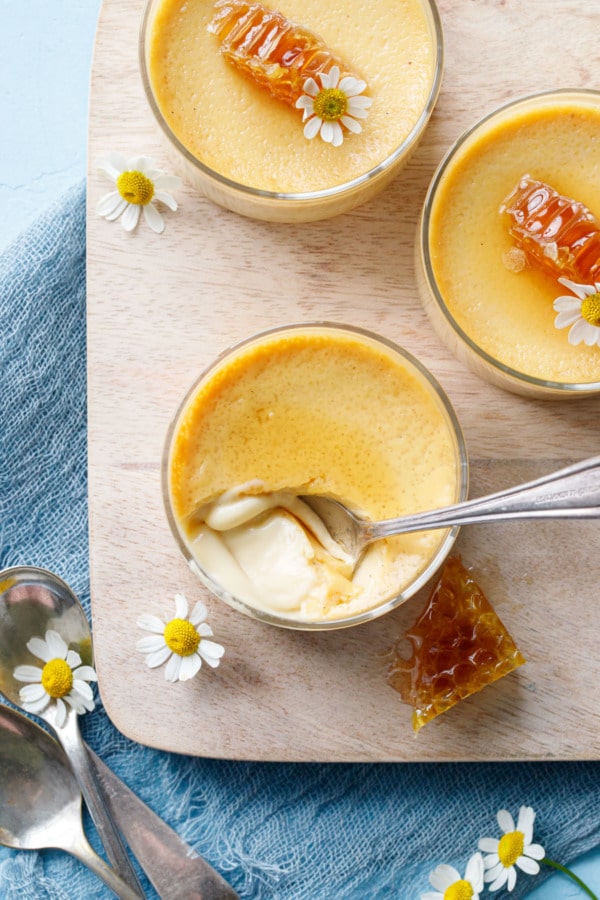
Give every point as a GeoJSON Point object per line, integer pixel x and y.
{"type": "Point", "coordinates": [181, 637]}
{"type": "Point", "coordinates": [330, 104]}
{"type": "Point", "coordinates": [510, 848]}
{"type": "Point", "coordinates": [460, 890]}
{"type": "Point", "coordinates": [135, 187]}
{"type": "Point", "coordinates": [57, 678]}
{"type": "Point", "coordinates": [590, 310]}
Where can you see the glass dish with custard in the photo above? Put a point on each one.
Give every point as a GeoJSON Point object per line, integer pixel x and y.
{"type": "Point", "coordinates": [291, 112]}
{"type": "Point", "coordinates": [311, 409]}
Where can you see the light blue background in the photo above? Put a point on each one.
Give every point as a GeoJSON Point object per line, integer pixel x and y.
{"type": "Point", "coordinates": [45, 59]}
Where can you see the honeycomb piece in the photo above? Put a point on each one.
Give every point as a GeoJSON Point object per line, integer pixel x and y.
{"type": "Point", "coordinates": [458, 646]}
{"type": "Point", "coordinates": [277, 54]}
{"type": "Point", "coordinates": [558, 235]}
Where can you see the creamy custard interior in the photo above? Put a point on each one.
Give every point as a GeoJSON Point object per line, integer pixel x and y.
{"type": "Point", "coordinates": [237, 129]}
{"type": "Point", "coordinates": [509, 315]}
{"type": "Point", "coordinates": [309, 412]}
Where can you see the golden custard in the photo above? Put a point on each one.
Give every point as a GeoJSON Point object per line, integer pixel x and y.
{"type": "Point", "coordinates": [508, 314]}
{"type": "Point", "coordinates": [237, 129]}
{"type": "Point", "coordinates": [322, 411]}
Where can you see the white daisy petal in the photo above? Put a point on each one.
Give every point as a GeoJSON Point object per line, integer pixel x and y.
{"type": "Point", "coordinates": [56, 645]}
{"type": "Point", "coordinates": [578, 332]}
{"type": "Point", "coordinates": [499, 882]}
{"type": "Point", "coordinates": [592, 335]}
{"type": "Point", "coordinates": [305, 102]}
{"type": "Point", "coordinates": [109, 203]}
{"type": "Point", "coordinates": [86, 673]}
{"type": "Point", "coordinates": [173, 668]}
{"type": "Point", "coordinates": [73, 659]}
{"type": "Point", "coordinates": [27, 673]}
{"type": "Point", "coordinates": [528, 865]}
{"type": "Point", "coordinates": [210, 660]}
{"type": "Point", "coordinates": [565, 319]}
{"type": "Point", "coordinates": [359, 103]}
{"type": "Point", "coordinates": [565, 302]}
{"type": "Point", "coordinates": [154, 218]}
{"type": "Point", "coordinates": [338, 134]}
{"type": "Point", "coordinates": [37, 706]}
{"type": "Point", "coordinates": [511, 878]}
{"type": "Point", "coordinates": [189, 667]}
{"type": "Point", "coordinates": [432, 895]}
{"type": "Point", "coordinates": [580, 290]}
{"type": "Point", "coordinates": [164, 182]}
{"type": "Point", "coordinates": [158, 657]}
{"type": "Point", "coordinates": [113, 216]}
{"type": "Point", "coordinates": [116, 160]}
{"type": "Point", "coordinates": [131, 216]}
{"type": "Point", "coordinates": [352, 86]}
{"type": "Point", "coordinates": [535, 851]}
{"type": "Point", "coordinates": [327, 132]}
{"type": "Point", "coordinates": [505, 821]}
{"type": "Point", "coordinates": [82, 689]}
{"type": "Point", "coordinates": [358, 112]}
{"type": "Point", "coordinates": [311, 87]}
{"type": "Point", "coordinates": [61, 713]}
{"type": "Point", "coordinates": [143, 164]}
{"type": "Point", "coordinates": [150, 643]}
{"type": "Point", "coordinates": [312, 127]}
{"type": "Point", "coordinates": [334, 76]}
{"type": "Point", "coordinates": [204, 630]}
{"type": "Point", "coordinates": [474, 872]}
{"type": "Point", "coordinates": [39, 648]}
{"type": "Point", "coordinates": [525, 822]}
{"type": "Point", "coordinates": [211, 648]}
{"type": "Point", "coordinates": [181, 607]}
{"type": "Point", "coordinates": [167, 199]}
{"type": "Point", "coordinates": [198, 614]}
{"type": "Point", "coordinates": [443, 877]}
{"type": "Point", "coordinates": [151, 623]}
{"type": "Point", "coordinates": [351, 124]}
{"type": "Point", "coordinates": [493, 872]}
{"type": "Point", "coordinates": [32, 692]}
{"type": "Point", "coordinates": [488, 845]}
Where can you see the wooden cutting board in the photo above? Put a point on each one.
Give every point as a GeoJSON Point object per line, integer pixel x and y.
{"type": "Point", "coordinates": [161, 307]}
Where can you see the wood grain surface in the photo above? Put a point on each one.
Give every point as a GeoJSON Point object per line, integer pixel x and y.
{"type": "Point", "coordinates": [161, 307]}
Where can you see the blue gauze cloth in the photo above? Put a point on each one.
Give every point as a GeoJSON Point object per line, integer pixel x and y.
{"type": "Point", "coordinates": [274, 830]}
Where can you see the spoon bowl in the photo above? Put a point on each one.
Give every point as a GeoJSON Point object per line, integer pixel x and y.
{"type": "Point", "coordinates": [40, 800]}
{"type": "Point", "coordinates": [569, 493]}
{"type": "Point", "coordinates": [33, 601]}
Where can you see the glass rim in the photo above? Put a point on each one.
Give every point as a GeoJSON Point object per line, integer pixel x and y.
{"type": "Point", "coordinates": [586, 387]}
{"type": "Point", "coordinates": [301, 196]}
{"type": "Point", "coordinates": [461, 470]}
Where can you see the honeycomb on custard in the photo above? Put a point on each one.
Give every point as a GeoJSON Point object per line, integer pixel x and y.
{"type": "Point", "coordinates": [266, 47]}
{"type": "Point", "coordinates": [458, 643]}
{"type": "Point", "coordinates": [557, 234]}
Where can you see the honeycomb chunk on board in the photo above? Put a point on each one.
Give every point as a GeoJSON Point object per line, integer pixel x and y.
{"type": "Point", "coordinates": [458, 644]}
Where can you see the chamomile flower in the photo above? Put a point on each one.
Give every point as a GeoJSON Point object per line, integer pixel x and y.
{"type": "Point", "coordinates": [138, 187]}
{"type": "Point", "coordinates": [336, 103]}
{"type": "Point", "coordinates": [181, 642]}
{"type": "Point", "coordinates": [580, 313]}
{"type": "Point", "coordinates": [449, 885]}
{"type": "Point", "coordinates": [514, 849]}
{"type": "Point", "coordinates": [63, 680]}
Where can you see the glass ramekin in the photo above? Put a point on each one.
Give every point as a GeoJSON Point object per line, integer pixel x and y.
{"type": "Point", "coordinates": [434, 392]}
{"type": "Point", "coordinates": [290, 207]}
{"type": "Point", "coordinates": [462, 345]}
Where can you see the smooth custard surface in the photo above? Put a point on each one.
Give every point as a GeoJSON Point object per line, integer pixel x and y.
{"type": "Point", "coordinates": [322, 414]}
{"type": "Point", "coordinates": [240, 131]}
{"type": "Point", "coordinates": [509, 315]}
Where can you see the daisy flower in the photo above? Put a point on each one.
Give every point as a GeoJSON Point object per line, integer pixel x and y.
{"type": "Point", "coordinates": [515, 848]}
{"type": "Point", "coordinates": [181, 642]}
{"type": "Point", "coordinates": [138, 186]}
{"type": "Point", "coordinates": [332, 105]}
{"type": "Point", "coordinates": [63, 680]}
{"type": "Point", "coordinates": [449, 885]}
{"type": "Point", "coordinates": [580, 313]}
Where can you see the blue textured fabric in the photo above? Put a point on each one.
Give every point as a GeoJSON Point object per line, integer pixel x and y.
{"type": "Point", "coordinates": [297, 831]}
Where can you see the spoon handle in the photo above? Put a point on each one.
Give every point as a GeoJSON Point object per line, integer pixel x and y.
{"type": "Point", "coordinates": [570, 493]}
{"type": "Point", "coordinates": [75, 749]}
{"type": "Point", "coordinates": [82, 850]}
{"type": "Point", "coordinates": [173, 867]}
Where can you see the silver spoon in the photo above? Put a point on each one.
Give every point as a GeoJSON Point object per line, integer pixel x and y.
{"type": "Point", "coordinates": [32, 601]}
{"type": "Point", "coordinates": [40, 800]}
{"type": "Point", "coordinates": [570, 493]}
